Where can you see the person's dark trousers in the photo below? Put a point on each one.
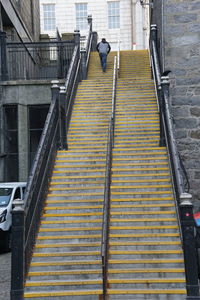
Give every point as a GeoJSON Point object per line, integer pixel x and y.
{"type": "Point", "coordinates": [103, 58]}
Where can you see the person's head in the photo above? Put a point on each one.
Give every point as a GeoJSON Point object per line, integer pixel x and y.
{"type": "Point", "coordinates": [103, 40]}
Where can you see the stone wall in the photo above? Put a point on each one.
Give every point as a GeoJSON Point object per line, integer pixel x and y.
{"type": "Point", "coordinates": [23, 94]}
{"type": "Point", "coordinates": [29, 13]}
{"type": "Point", "coordinates": [181, 54]}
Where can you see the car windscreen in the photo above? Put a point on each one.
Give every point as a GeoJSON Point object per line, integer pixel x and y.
{"type": "Point", "coordinates": [5, 194]}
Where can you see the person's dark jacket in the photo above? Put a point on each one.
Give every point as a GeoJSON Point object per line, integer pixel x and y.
{"type": "Point", "coordinates": [103, 47]}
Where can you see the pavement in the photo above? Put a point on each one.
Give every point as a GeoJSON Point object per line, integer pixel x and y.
{"type": "Point", "coordinates": [5, 274]}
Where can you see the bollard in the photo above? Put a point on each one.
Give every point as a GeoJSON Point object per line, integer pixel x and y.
{"type": "Point", "coordinates": [189, 247]}
{"type": "Point", "coordinates": [17, 254]}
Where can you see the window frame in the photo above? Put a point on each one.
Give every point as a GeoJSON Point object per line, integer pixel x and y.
{"type": "Point", "coordinates": [113, 17]}
{"type": "Point", "coordinates": [51, 20]}
{"type": "Point", "coordinates": [81, 20]}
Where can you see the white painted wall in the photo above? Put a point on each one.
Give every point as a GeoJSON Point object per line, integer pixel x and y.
{"type": "Point", "coordinates": [130, 33]}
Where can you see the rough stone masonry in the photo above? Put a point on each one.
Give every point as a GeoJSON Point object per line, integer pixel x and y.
{"type": "Point", "coordinates": [179, 40]}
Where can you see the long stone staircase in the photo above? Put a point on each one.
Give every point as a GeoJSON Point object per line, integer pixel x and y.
{"type": "Point", "coordinates": [145, 255]}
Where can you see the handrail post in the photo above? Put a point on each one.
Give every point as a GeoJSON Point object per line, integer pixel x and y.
{"type": "Point", "coordinates": [89, 19]}
{"type": "Point", "coordinates": [17, 254]}
{"type": "Point", "coordinates": [3, 57]}
{"type": "Point", "coordinates": [189, 248]}
{"type": "Point", "coordinates": [163, 90]}
{"type": "Point", "coordinates": [54, 89]}
{"type": "Point", "coordinates": [63, 125]}
{"type": "Point", "coordinates": [77, 40]}
{"type": "Point", "coordinates": [94, 41]}
{"type": "Point", "coordinates": [83, 64]}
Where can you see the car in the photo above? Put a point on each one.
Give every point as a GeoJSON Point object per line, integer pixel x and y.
{"type": "Point", "coordinates": [9, 191]}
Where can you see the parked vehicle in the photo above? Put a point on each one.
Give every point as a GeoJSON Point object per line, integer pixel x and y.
{"type": "Point", "coordinates": [9, 191]}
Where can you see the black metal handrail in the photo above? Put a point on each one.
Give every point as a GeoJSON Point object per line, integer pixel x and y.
{"type": "Point", "coordinates": [31, 210]}
{"type": "Point", "coordinates": [106, 208]}
{"type": "Point", "coordinates": [183, 199]}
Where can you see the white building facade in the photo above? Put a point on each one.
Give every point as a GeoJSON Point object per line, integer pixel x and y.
{"type": "Point", "coordinates": [122, 20]}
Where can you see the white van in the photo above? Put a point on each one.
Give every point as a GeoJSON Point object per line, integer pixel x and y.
{"type": "Point", "coordinates": [9, 191]}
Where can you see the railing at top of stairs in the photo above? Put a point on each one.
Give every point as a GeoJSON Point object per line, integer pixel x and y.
{"type": "Point", "coordinates": [106, 209]}
{"type": "Point", "coordinates": [183, 198]}
{"type": "Point", "coordinates": [27, 213]}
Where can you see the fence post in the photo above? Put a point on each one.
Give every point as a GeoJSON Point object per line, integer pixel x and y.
{"type": "Point", "coordinates": [17, 254]}
{"type": "Point", "coordinates": [3, 57]}
{"type": "Point", "coordinates": [63, 126]}
{"type": "Point", "coordinates": [189, 247]}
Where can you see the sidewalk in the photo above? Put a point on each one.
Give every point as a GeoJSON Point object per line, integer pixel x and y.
{"type": "Point", "coordinates": [5, 264]}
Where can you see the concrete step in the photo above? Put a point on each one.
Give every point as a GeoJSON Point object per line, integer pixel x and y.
{"type": "Point", "coordinates": [152, 245]}
{"type": "Point", "coordinates": [71, 255]}
{"type": "Point", "coordinates": [147, 283]}
{"type": "Point", "coordinates": [65, 265]}
{"type": "Point", "coordinates": [61, 295]}
{"type": "Point", "coordinates": [57, 285]}
{"type": "Point", "coordinates": [148, 294]}
{"type": "Point", "coordinates": [146, 263]}
{"type": "Point", "coordinates": [142, 274]}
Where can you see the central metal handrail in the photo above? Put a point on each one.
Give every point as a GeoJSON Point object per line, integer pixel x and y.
{"type": "Point", "coordinates": [106, 208]}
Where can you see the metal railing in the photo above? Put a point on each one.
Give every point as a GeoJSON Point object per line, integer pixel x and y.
{"type": "Point", "coordinates": [43, 60]}
{"type": "Point", "coordinates": [26, 214]}
{"type": "Point", "coordinates": [182, 197]}
{"type": "Point", "coordinates": [90, 45]}
{"type": "Point", "coordinates": [106, 208]}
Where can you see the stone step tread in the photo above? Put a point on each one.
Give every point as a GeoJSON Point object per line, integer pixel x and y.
{"type": "Point", "coordinates": [66, 272]}
{"type": "Point", "coordinates": [134, 213]}
{"type": "Point", "coordinates": [88, 182]}
{"type": "Point", "coordinates": [70, 253]}
{"type": "Point", "coordinates": [152, 198]}
{"type": "Point", "coordinates": [61, 229]}
{"type": "Point", "coordinates": [146, 243]}
{"type": "Point", "coordinates": [56, 201]}
{"type": "Point", "coordinates": [72, 214]}
{"type": "Point", "coordinates": [174, 291]}
{"type": "Point", "coordinates": [144, 227]}
{"type": "Point", "coordinates": [62, 282]}
{"type": "Point", "coordinates": [142, 205]}
{"type": "Point", "coordinates": [65, 245]}
{"type": "Point", "coordinates": [80, 236]}
{"type": "Point", "coordinates": [137, 235]}
{"type": "Point", "coordinates": [145, 261]}
{"type": "Point", "coordinates": [159, 219]}
{"type": "Point", "coordinates": [53, 293]}
{"type": "Point", "coordinates": [115, 183]}
{"type": "Point", "coordinates": [110, 271]}
{"type": "Point", "coordinates": [142, 252]}
{"type": "Point", "coordinates": [98, 187]}
{"type": "Point", "coordinates": [66, 263]}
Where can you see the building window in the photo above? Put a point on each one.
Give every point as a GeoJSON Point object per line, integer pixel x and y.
{"type": "Point", "coordinates": [49, 17]}
{"type": "Point", "coordinates": [81, 16]}
{"type": "Point", "coordinates": [113, 15]}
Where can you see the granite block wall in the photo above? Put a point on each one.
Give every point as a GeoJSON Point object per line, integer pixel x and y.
{"type": "Point", "coordinates": [179, 31]}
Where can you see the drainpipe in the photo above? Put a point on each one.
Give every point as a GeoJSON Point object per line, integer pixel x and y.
{"type": "Point", "coordinates": [162, 35]}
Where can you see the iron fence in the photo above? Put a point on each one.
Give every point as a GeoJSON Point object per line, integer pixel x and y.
{"type": "Point", "coordinates": [43, 60]}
